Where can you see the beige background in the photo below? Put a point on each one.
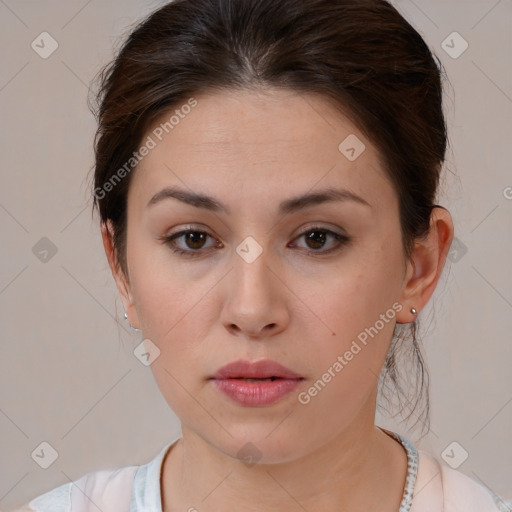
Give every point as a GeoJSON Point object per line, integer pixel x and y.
{"type": "Point", "coordinates": [68, 373]}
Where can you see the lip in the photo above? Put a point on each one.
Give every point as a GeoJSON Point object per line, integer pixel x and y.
{"type": "Point", "coordinates": [230, 380]}
{"type": "Point", "coordinates": [243, 369]}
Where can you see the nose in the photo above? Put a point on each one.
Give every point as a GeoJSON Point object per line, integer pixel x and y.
{"type": "Point", "coordinates": [256, 299]}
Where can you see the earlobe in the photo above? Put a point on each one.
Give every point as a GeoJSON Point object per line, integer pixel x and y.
{"type": "Point", "coordinates": [426, 265]}
{"type": "Point", "coordinates": [120, 279]}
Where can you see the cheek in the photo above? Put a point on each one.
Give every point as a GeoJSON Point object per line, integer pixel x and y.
{"type": "Point", "coordinates": [166, 292]}
{"type": "Point", "coordinates": [359, 291]}
{"type": "Point", "coordinates": [359, 304]}
{"type": "Point", "coordinates": [175, 314]}
{"type": "Point", "coordinates": [344, 369]}
{"type": "Point", "coordinates": [176, 308]}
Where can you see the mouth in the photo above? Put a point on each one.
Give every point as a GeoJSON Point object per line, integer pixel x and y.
{"type": "Point", "coordinates": [263, 370]}
{"type": "Point", "coordinates": [257, 380]}
{"type": "Point", "coordinates": [256, 384]}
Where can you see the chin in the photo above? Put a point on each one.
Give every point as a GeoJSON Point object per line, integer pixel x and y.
{"type": "Point", "coordinates": [258, 444]}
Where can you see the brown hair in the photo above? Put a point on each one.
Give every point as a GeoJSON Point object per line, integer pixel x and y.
{"type": "Point", "coordinates": [361, 54]}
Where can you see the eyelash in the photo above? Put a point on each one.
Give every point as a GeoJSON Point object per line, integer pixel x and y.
{"type": "Point", "coordinates": [340, 239]}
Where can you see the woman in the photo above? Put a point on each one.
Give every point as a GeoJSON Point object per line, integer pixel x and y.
{"type": "Point", "coordinates": [266, 177]}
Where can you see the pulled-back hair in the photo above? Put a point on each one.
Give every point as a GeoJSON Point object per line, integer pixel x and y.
{"type": "Point", "coordinates": [360, 54]}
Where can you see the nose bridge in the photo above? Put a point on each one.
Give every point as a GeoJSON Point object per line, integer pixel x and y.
{"type": "Point", "coordinates": [251, 272]}
{"type": "Point", "coordinates": [254, 300]}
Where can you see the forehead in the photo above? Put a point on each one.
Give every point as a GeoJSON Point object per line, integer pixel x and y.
{"type": "Point", "coordinates": [273, 143]}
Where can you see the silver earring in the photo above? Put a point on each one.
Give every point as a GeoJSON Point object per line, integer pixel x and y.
{"type": "Point", "coordinates": [413, 311]}
{"type": "Point", "coordinates": [131, 326]}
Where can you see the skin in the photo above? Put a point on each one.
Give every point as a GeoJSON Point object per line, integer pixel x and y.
{"type": "Point", "coordinates": [251, 150]}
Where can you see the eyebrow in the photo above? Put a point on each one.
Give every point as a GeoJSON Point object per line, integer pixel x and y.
{"type": "Point", "coordinates": [288, 206]}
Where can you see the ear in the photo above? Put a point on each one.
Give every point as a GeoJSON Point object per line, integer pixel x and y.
{"type": "Point", "coordinates": [122, 281]}
{"type": "Point", "coordinates": [425, 265]}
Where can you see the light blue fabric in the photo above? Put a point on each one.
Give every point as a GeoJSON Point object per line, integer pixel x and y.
{"type": "Point", "coordinates": [412, 470]}
{"type": "Point", "coordinates": [56, 500]}
{"type": "Point", "coordinates": [146, 485]}
{"type": "Point", "coordinates": [503, 505]}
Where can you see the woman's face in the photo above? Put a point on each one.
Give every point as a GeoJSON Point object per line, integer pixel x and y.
{"type": "Point", "coordinates": [312, 285]}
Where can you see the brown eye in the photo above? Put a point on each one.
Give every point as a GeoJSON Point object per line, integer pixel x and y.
{"type": "Point", "coordinates": [195, 239]}
{"type": "Point", "coordinates": [193, 242]}
{"type": "Point", "coordinates": [316, 238]}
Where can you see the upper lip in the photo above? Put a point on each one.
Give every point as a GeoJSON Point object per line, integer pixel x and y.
{"type": "Point", "coordinates": [264, 369]}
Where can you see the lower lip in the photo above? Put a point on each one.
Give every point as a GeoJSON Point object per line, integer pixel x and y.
{"type": "Point", "coordinates": [253, 394]}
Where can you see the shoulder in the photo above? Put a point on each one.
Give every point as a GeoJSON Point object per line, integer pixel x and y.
{"type": "Point", "coordinates": [100, 490]}
{"type": "Point", "coordinates": [440, 486]}
{"type": "Point", "coordinates": [463, 493]}
{"type": "Point", "coordinates": [118, 490]}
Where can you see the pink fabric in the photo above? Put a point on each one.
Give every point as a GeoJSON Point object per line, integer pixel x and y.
{"type": "Point", "coordinates": [440, 488]}
{"type": "Point", "coordinates": [104, 491]}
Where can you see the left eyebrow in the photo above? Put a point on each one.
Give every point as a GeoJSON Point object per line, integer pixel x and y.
{"type": "Point", "coordinates": [288, 206]}
{"type": "Point", "coordinates": [322, 196]}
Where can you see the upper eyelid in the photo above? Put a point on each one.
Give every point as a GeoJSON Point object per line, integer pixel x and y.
{"type": "Point", "coordinates": [188, 229]}
{"type": "Point", "coordinates": [191, 229]}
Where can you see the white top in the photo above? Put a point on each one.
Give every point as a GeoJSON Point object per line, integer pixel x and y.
{"type": "Point", "coordinates": [431, 486]}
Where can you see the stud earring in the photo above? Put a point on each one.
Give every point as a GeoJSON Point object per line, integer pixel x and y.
{"type": "Point", "coordinates": [413, 311]}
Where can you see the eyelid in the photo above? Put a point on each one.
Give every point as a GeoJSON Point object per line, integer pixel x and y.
{"type": "Point", "coordinates": [336, 230]}
{"type": "Point", "coordinates": [341, 239]}
{"type": "Point", "coordinates": [168, 239]}
{"type": "Point", "coordinates": [301, 231]}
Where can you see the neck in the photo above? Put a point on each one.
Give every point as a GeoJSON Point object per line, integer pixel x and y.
{"type": "Point", "coordinates": [359, 469]}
